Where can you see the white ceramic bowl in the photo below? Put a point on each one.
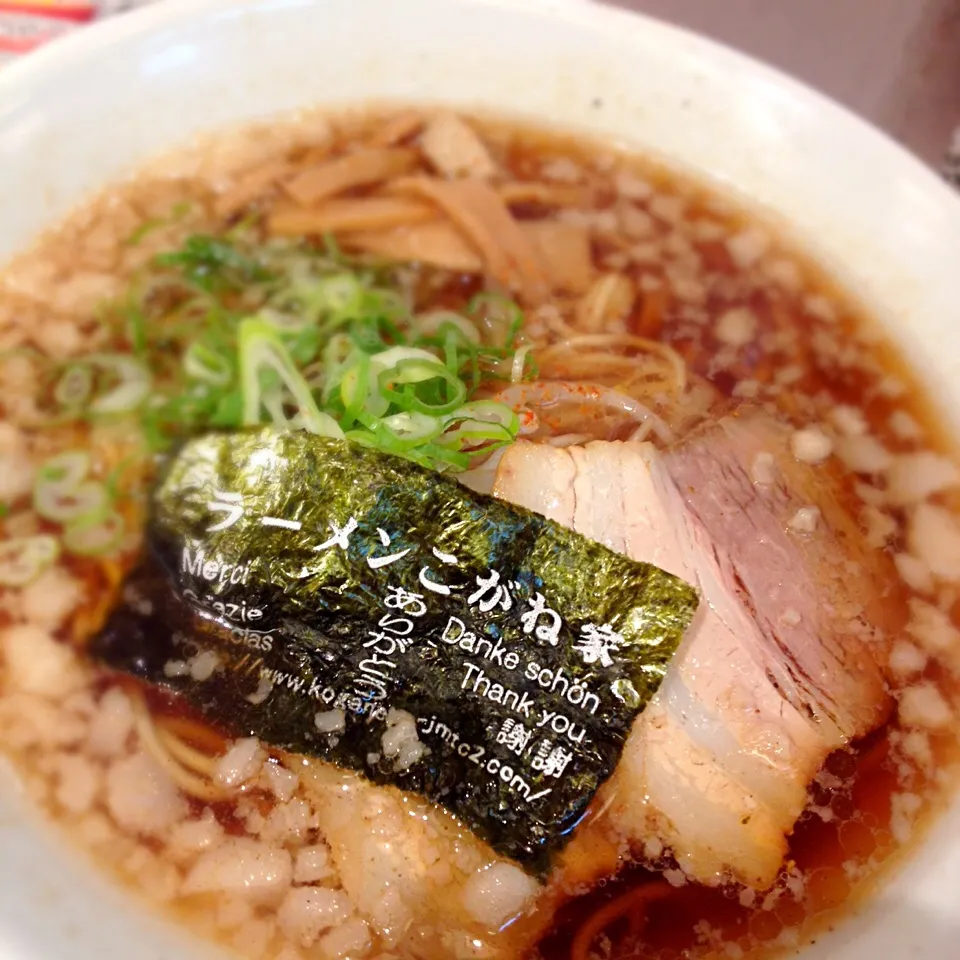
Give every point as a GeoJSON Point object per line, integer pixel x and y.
{"type": "Point", "coordinates": [89, 109]}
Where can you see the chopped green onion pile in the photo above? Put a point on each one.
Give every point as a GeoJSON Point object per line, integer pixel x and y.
{"type": "Point", "coordinates": [231, 332]}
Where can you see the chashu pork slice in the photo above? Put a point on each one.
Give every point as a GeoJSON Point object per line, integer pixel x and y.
{"type": "Point", "coordinates": [718, 765]}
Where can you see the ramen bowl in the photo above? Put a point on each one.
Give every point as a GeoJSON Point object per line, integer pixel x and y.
{"type": "Point", "coordinates": [89, 110]}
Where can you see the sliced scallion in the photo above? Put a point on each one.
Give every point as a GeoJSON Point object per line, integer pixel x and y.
{"type": "Point", "coordinates": [74, 387]}
{"type": "Point", "coordinates": [65, 505]}
{"type": "Point", "coordinates": [262, 352]}
{"type": "Point", "coordinates": [23, 559]}
{"type": "Point", "coordinates": [94, 536]}
{"type": "Point", "coordinates": [206, 365]}
{"type": "Point", "coordinates": [132, 387]}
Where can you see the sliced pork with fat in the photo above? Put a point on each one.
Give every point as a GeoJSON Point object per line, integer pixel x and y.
{"type": "Point", "coordinates": [779, 667]}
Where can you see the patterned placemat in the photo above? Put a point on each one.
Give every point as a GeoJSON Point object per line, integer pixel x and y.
{"type": "Point", "coordinates": [26, 25]}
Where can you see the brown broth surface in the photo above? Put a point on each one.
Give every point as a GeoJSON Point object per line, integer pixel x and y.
{"type": "Point", "coordinates": [813, 350]}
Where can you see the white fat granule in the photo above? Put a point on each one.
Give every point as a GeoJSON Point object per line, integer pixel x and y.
{"type": "Point", "coordinates": [771, 899]}
{"type": "Point", "coordinates": [904, 426]}
{"type": "Point", "coordinates": [141, 797]}
{"type": "Point", "coordinates": [790, 617]}
{"type": "Point", "coordinates": [287, 822]}
{"type": "Point", "coordinates": [811, 445]}
{"type": "Point", "coordinates": [913, 477]}
{"type": "Point", "coordinates": [805, 520]}
{"type": "Point", "coordinates": [653, 848]}
{"type": "Point", "coordinates": [203, 665]}
{"type": "Point", "coordinates": [679, 246]}
{"type": "Point", "coordinates": [111, 725]}
{"type": "Point", "coordinates": [95, 830]}
{"type": "Point", "coordinates": [733, 950]}
{"type": "Point", "coordinates": [933, 536]}
{"type": "Point", "coordinates": [631, 186]}
{"type": "Point", "coordinates": [787, 376]}
{"type": "Point", "coordinates": [785, 273]}
{"type": "Point", "coordinates": [51, 598]}
{"type": "Point", "coordinates": [562, 169]}
{"type": "Point", "coordinates": [350, 939]}
{"type": "Point", "coordinates": [649, 282]}
{"type": "Point", "coordinates": [870, 494]}
{"type": "Point", "coordinates": [331, 721]}
{"type": "Point", "coordinates": [688, 289]}
{"type": "Point", "coordinates": [916, 745]}
{"type": "Point", "coordinates": [708, 231]}
{"type": "Point", "coordinates": [668, 207]}
{"type": "Point", "coordinates": [243, 867]}
{"type": "Point", "coordinates": [788, 937]}
{"type": "Point", "coordinates": [137, 602]}
{"type": "Point", "coordinates": [914, 572]}
{"type": "Point", "coordinates": [635, 223]}
{"type": "Point", "coordinates": [747, 897]}
{"type": "Point", "coordinates": [923, 705]}
{"type": "Point", "coordinates": [79, 783]}
{"type": "Point", "coordinates": [312, 864]}
{"type": "Point", "coordinates": [82, 703]}
{"type": "Point", "coordinates": [747, 247]}
{"type": "Point", "coordinates": [747, 389]}
{"type": "Point", "coordinates": [307, 912]}
{"type": "Point", "coordinates": [904, 808]}
{"type": "Point", "coordinates": [495, 894]}
{"type": "Point", "coordinates": [400, 742]}
{"type": "Point", "coordinates": [36, 663]}
{"type": "Point", "coordinates": [906, 659]}
{"type": "Point", "coordinates": [850, 421]}
{"type": "Point", "coordinates": [240, 763]}
{"type": "Point", "coordinates": [891, 388]}
{"type": "Point", "coordinates": [878, 527]}
{"type": "Point", "coordinates": [736, 327]}
{"type": "Point", "coordinates": [934, 631]}
{"type": "Point", "coordinates": [647, 252]}
{"type": "Point", "coordinates": [190, 837]}
{"type": "Point", "coordinates": [676, 878]}
{"type": "Point", "coordinates": [821, 308]}
{"type": "Point", "coordinates": [264, 689]}
{"type": "Point", "coordinates": [281, 782]}
{"type": "Point", "coordinates": [176, 668]}
{"type": "Point", "coordinates": [604, 221]}
{"type": "Point", "coordinates": [863, 454]}
{"type": "Point", "coordinates": [763, 469]}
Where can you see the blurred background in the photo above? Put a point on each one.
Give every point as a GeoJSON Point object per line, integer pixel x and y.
{"type": "Point", "coordinates": [896, 62]}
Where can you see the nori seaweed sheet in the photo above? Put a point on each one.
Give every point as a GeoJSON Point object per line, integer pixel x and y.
{"type": "Point", "coordinates": [330, 577]}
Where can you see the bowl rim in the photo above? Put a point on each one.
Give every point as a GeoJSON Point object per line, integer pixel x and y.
{"type": "Point", "coordinates": [594, 14]}
{"type": "Point", "coordinates": [16, 81]}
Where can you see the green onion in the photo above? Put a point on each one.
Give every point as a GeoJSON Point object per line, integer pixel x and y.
{"type": "Point", "coordinates": [62, 506]}
{"type": "Point", "coordinates": [94, 536]}
{"type": "Point", "coordinates": [23, 559]}
{"type": "Point", "coordinates": [74, 387]}
{"type": "Point", "coordinates": [439, 322]}
{"type": "Point", "coordinates": [64, 471]}
{"type": "Point", "coordinates": [206, 365]}
{"type": "Point", "coordinates": [129, 392]}
{"type": "Point", "coordinates": [243, 332]}
{"type": "Point", "coordinates": [262, 352]}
